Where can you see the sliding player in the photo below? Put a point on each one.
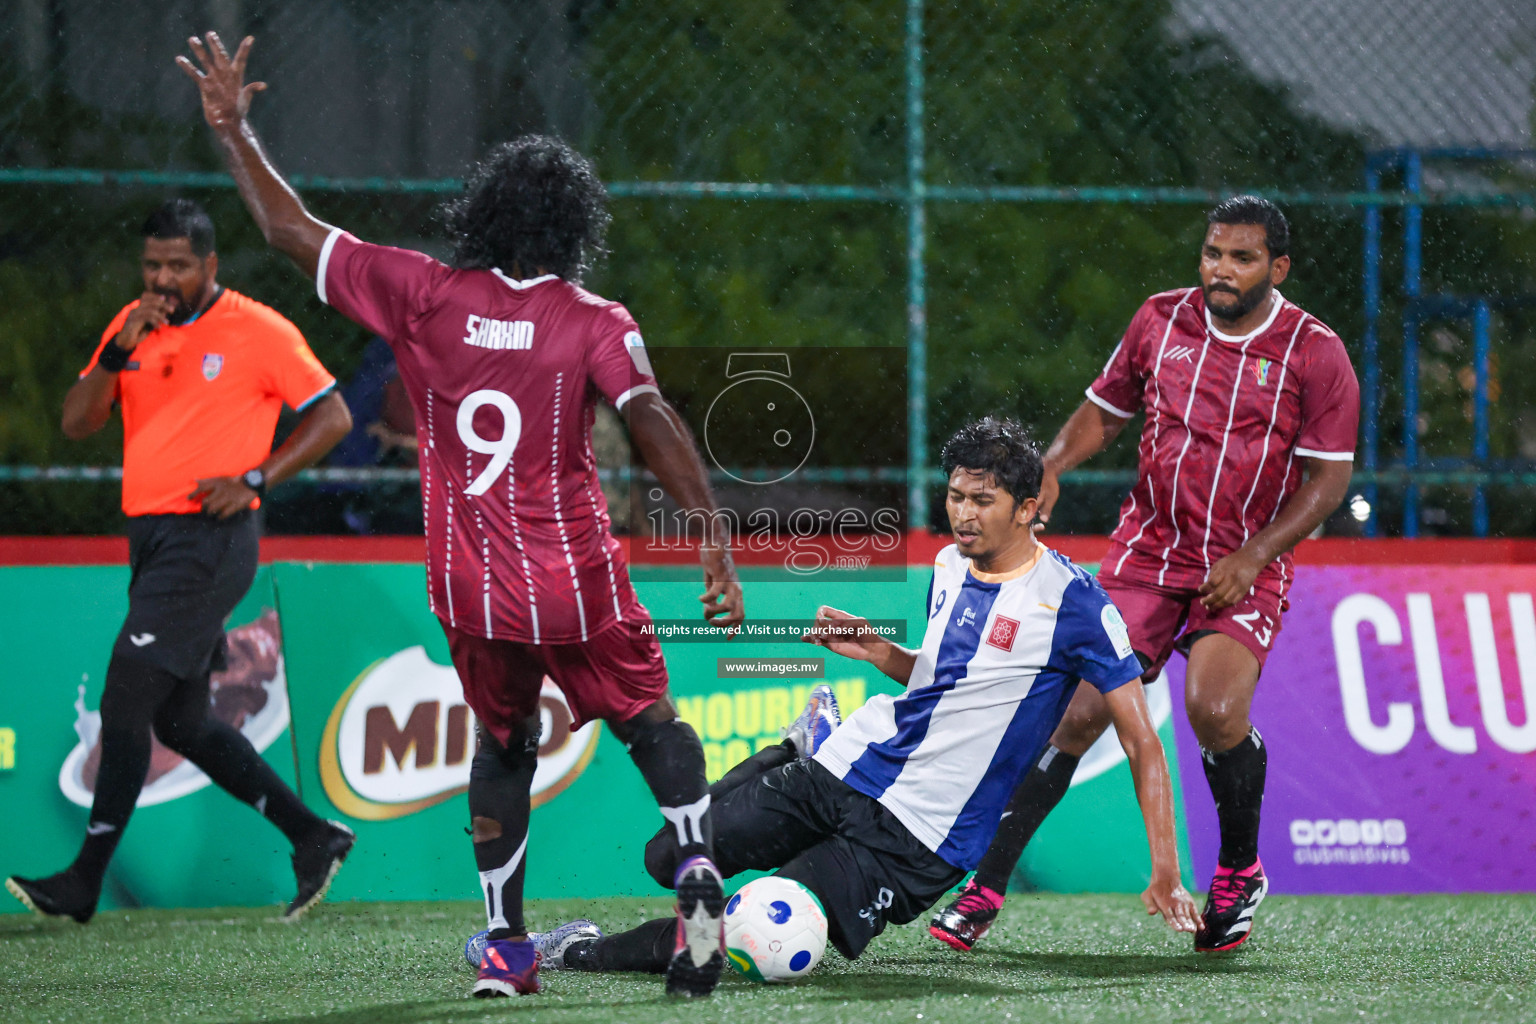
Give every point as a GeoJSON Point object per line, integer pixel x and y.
{"type": "Point", "coordinates": [504, 357]}
{"type": "Point", "coordinates": [1251, 410]}
{"type": "Point", "coordinates": [897, 804]}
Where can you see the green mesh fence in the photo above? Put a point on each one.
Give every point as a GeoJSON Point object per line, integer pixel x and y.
{"type": "Point", "coordinates": [994, 185]}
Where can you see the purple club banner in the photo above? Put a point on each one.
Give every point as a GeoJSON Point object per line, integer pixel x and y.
{"type": "Point", "coordinates": [1399, 712]}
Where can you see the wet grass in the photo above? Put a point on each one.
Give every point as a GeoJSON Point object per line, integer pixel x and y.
{"type": "Point", "coordinates": [1050, 958]}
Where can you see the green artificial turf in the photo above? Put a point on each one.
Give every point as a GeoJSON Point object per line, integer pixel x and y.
{"type": "Point", "coordinates": [1050, 958]}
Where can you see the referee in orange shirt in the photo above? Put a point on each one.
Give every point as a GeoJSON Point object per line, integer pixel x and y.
{"type": "Point", "coordinates": [201, 373]}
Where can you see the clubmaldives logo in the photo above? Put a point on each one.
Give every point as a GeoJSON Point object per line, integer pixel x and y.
{"type": "Point", "coordinates": [1261, 369]}
{"type": "Point", "coordinates": [401, 740]}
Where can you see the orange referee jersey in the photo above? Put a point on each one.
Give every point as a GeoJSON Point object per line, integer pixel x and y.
{"type": "Point", "coordinates": [201, 400]}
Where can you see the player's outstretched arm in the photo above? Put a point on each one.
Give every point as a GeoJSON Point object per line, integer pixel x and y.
{"type": "Point", "coordinates": [1087, 432]}
{"type": "Point", "coordinates": [275, 206]}
{"type": "Point", "coordinates": [666, 445]}
{"type": "Point", "coordinates": [1326, 484]}
{"type": "Point", "coordinates": [852, 637]}
{"type": "Point", "coordinates": [1154, 791]}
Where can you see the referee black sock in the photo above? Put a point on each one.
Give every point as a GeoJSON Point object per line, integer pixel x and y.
{"type": "Point", "coordinates": [1236, 777]}
{"type": "Point", "coordinates": [131, 693]}
{"type": "Point", "coordinates": [500, 779]}
{"type": "Point", "coordinates": [120, 775]}
{"type": "Point", "coordinates": [647, 948]}
{"type": "Point", "coordinates": [671, 759]}
{"type": "Point", "coordinates": [1036, 795]}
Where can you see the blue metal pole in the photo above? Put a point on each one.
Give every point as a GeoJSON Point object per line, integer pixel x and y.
{"type": "Point", "coordinates": [1482, 323]}
{"type": "Point", "coordinates": [1371, 386]}
{"type": "Point", "coordinates": [917, 285]}
{"type": "Point", "coordinates": [1413, 259]}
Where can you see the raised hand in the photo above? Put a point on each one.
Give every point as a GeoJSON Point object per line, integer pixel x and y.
{"type": "Point", "coordinates": [220, 79]}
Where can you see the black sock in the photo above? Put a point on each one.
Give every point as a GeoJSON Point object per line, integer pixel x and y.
{"type": "Point", "coordinates": [671, 759]}
{"type": "Point", "coordinates": [765, 760]}
{"type": "Point", "coordinates": [228, 758]}
{"type": "Point", "coordinates": [499, 781]}
{"type": "Point", "coordinates": [132, 692]}
{"type": "Point", "coordinates": [1236, 777]}
{"type": "Point", "coordinates": [1037, 794]}
{"type": "Point", "coordinates": [120, 775]}
{"type": "Point", "coordinates": [647, 948]}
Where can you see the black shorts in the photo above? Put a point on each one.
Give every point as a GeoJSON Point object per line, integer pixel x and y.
{"type": "Point", "coordinates": [847, 848]}
{"type": "Point", "coordinates": [189, 572]}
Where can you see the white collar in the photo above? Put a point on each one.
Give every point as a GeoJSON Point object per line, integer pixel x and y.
{"type": "Point", "coordinates": [1233, 339]}
{"type": "Point", "coordinates": [513, 282]}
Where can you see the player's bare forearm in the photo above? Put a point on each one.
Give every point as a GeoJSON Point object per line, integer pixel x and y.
{"type": "Point", "coordinates": [852, 637]}
{"type": "Point", "coordinates": [888, 657]}
{"type": "Point", "coordinates": [322, 428]}
{"type": "Point", "coordinates": [896, 661]}
{"type": "Point", "coordinates": [666, 447]}
{"type": "Point", "coordinates": [275, 206]}
{"type": "Point", "coordinates": [1154, 793]}
{"type": "Point", "coordinates": [277, 209]}
{"type": "Point", "coordinates": [88, 404]}
{"type": "Point", "coordinates": [1326, 483]}
{"type": "Point", "coordinates": [1088, 431]}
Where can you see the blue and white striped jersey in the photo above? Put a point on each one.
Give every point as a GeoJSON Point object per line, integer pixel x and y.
{"type": "Point", "coordinates": [998, 665]}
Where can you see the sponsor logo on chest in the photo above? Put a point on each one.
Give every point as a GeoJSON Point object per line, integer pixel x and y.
{"type": "Point", "coordinates": [1004, 632]}
{"type": "Point", "coordinates": [1261, 368]}
{"type": "Point", "coordinates": [483, 332]}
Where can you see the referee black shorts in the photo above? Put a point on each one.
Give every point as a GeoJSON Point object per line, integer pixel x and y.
{"type": "Point", "coordinates": [189, 572]}
{"type": "Point", "coordinates": [845, 847]}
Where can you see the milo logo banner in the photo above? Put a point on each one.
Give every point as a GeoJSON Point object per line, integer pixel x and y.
{"type": "Point", "coordinates": [341, 677]}
{"type": "Point", "coordinates": [1399, 708]}
{"type": "Point", "coordinates": [400, 740]}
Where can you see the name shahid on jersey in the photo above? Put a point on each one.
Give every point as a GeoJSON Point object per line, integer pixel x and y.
{"type": "Point", "coordinates": [483, 332]}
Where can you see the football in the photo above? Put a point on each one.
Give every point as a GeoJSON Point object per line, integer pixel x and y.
{"type": "Point", "coordinates": [474, 949]}
{"type": "Point", "coordinates": [775, 930]}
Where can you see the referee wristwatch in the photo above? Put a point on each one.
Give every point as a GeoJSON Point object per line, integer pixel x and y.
{"type": "Point", "coordinates": [256, 480]}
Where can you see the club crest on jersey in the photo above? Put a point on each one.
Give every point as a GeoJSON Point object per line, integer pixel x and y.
{"type": "Point", "coordinates": [1261, 370]}
{"type": "Point", "coordinates": [212, 364]}
{"type": "Point", "coordinates": [1004, 631]}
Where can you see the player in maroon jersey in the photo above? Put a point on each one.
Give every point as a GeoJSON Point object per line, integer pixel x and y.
{"type": "Point", "coordinates": [1251, 410]}
{"type": "Point", "coordinates": [504, 358]}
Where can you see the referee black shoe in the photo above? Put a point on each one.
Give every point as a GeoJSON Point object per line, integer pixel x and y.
{"type": "Point", "coordinates": [699, 956]}
{"type": "Point", "coordinates": [60, 895]}
{"type": "Point", "coordinates": [315, 862]}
